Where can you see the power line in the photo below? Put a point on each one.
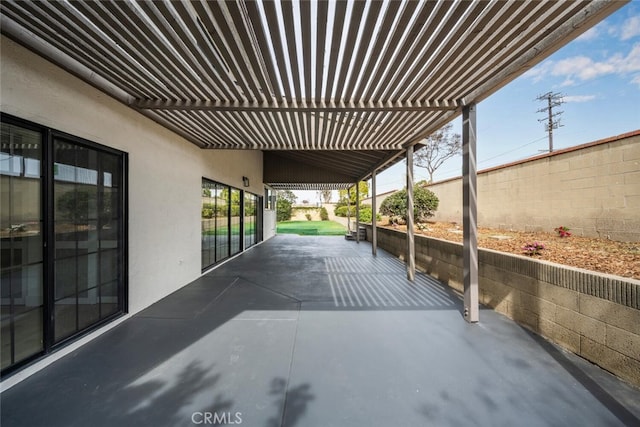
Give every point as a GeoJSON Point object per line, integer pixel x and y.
{"type": "Point", "coordinates": [512, 150]}
{"type": "Point", "coordinates": [552, 119]}
{"type": "Point", "coordinates": [504, 153]}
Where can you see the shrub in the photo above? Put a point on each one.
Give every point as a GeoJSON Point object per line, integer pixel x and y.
{"type": "Point", "coordinates": [532, 249]}
{"type": "Point", "coordinates": [324, 215]}
{"type": "Point", "coordinates": [425, 203]}
{"type": "Point", "coordinates": [562, 231]}
{"type": "Point", "coordinates": [366, 214]}
{"type": "Point", "coordinates": [207, 213]}
{"type": "Point", "coordinates": [74, 205]}
{"type": "Point", "coordinates": [308, 216]}
{"type": "Point", "coordinates": [342, 211]}
{"type": "Point", "coordinates": [283, 210]}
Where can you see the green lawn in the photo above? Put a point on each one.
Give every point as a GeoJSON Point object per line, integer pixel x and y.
{"type": "Point", "coordinates": [311, 228]}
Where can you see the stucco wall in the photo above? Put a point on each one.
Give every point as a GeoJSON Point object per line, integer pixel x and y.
{"type": "Point", "coordinates": [596, 316]}
{"type": "Point", "coordinates": [165, 171]}
{"type": "Point", "coordinates": [594, 190]}
{"type": "Point", "coordinates": [269, 224]}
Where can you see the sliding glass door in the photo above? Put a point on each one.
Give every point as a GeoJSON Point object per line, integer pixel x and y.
{"type": "Point", "coordinates": [231, 221]}
{"type": "Point", "coordinates": [87, 263]}
{"type": "Point", "coordinates": [21, 229]}
{"type": "Point", "coordinates": [63, 247]}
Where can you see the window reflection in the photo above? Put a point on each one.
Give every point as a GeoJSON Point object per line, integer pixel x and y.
{"type": "Point", "coordinates": [87, 261]}
{"type": "Point", "coordinates": [235, 221]}
{"type": "Point", "coordinates": [226, 230]}
{"type": "Point", "coordinates": [21, 255]}
{"type": "Point", "coordinates": [222, 222]}
{"type": "Point", "coordinates": [87, 283]}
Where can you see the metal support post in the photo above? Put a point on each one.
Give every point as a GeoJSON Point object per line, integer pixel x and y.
{"type": "Point", "coordinates": [349, 211]}
{"type": "Point", "coordinates": [411, 250]}
{"type": "Point", "coordinates": [374, 208]}
{"type": "Point", "coordinates": [358, 212]}
{"type": "Point", "coordinates": [470, 214]}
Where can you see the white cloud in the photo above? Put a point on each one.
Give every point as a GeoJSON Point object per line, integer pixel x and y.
{"type": "Point", "coordinates": [568, 82]}
{"type": "Point", "coordinates": [591, 34]}
{"type": "Point", "coordinates": [578, 98]}
{"type": "Point", "coordinates": [625, 31]}
{"type": "Point", "coordinates": [538, 72]}
{"type": "Point", "coordinates": [630, 28]}
{"type": "Point", "coordinates": [583, 68]}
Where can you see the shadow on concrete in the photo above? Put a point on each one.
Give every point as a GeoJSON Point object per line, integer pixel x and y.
{"type": "Point", "coordinates": [292, 402]}
{"type": "Point", "coordinates": [571, 364]}
{"type": "Point", "coordinates": [270, 335]}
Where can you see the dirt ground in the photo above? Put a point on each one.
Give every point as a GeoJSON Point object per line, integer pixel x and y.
{"type": "Point", "coordinates": [606, 256]}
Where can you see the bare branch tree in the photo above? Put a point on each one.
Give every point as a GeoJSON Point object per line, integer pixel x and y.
{"type": "Point", "coordinates": [437, 148]}
{"type": "Point", "coordinates": [326, 196]}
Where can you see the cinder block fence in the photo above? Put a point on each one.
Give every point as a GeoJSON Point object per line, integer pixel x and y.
{"type": "Point", "coordinates": [596, 316]}
{"type": "Point", "coordinates": [593, 188]}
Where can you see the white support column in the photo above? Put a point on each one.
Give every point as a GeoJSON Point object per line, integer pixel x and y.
{"type": "Point", "coordinates": [411, 250]}
{"type": "Point", "coordinates": [470, 214]}
{"type": "Point", "coordinates": [358, 212]}
{"type": "Point", "coordinates": [374, 208]}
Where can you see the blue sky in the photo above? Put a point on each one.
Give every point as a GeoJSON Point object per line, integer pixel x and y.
{"type": "Point", "coordinates": [599, 76]}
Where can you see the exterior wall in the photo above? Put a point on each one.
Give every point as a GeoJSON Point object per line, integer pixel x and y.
{"type": "Point", "coordinates": [269, 223]}
{"type": "Point", "coordinates": [379, 199]}
{"type": "Point", "coordinates": [593, 189]}
{"type": "Point", "coordinates": [165, 171]}
{"type": "Point", "coordinates": [596, 316]}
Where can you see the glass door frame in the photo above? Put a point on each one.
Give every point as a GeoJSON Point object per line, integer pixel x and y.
{"type": "Point", "coordinates": [48, 237]}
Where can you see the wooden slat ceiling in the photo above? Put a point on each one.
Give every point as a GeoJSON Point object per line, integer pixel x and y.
{"type": "Point", "coordinates": [301, 77]}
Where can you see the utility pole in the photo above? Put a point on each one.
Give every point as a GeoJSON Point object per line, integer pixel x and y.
{"type": "Point", "coordinates": [553, 119]}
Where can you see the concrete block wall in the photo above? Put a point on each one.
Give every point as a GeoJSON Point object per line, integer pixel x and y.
{"type": "Point", "coordinates": [596, 316]}
{"type": "Point", "coordinates": [594, 189]}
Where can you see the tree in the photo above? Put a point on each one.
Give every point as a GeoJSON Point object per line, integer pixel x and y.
{"type": "Point", "coordinates": [365, 213]}
{"type": "Point", "coordinates": [286, 199]}
{"type": "Point", "coordinates": [324, 215]}
{"type": "Point", "coordinates": [363, 191]}
{"type": "Point", "coordinates": [425, 203]}
{"type": "Point", "coordinates": [326, 195]}
{"type": "Point", "coordinates": [287, 195]}
{"type": "Point", "coordinates": [283, 210]}
{"type": "Point", "coordinates": [437, 148]}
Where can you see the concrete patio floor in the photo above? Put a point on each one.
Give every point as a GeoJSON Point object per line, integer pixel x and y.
{"type": "Point", "coordinates": [314, 331]}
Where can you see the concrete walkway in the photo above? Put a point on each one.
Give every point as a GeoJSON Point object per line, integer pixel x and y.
{"type": "Point", "coordinates": [314, 331]}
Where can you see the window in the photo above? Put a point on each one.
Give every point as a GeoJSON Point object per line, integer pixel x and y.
{"type": "Point", "coordinates": [231, 221]}
{"type": "Point", "coordinates": [236, 223]}
{"type": "Point", "coordinates": [253, 220]}
{"type": "Point", "coordinates": [87, 204]}
{"type": "Point", "coordinates": [21, 228]}
{"type": "Point", "coordinates": [222, 222]}
{"type": "Point", "coordinates": [62, 225]}
{"type": "Point", "coordinates": [269, 199]}
{"type": "Point", "coordinates": [215, 222]}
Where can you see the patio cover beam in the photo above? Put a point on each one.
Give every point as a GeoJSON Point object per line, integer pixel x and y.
{"type": "Point", "coordinates": [301, 107]}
